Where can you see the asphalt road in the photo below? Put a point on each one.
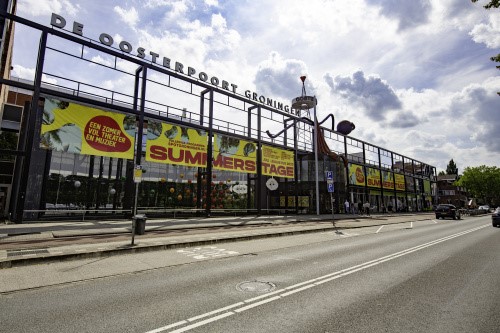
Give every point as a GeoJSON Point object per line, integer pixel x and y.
{"type": "Point", "coordinates": [428, 276]}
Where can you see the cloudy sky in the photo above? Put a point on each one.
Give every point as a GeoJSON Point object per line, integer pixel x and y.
{"type": "Point", "coordinates": [415, 76]}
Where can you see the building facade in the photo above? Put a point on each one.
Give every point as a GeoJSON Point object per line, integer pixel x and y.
{"type": "Point", "coordinates": [448, 193]}
{"type": "Point", "coordinates": [176, 141]}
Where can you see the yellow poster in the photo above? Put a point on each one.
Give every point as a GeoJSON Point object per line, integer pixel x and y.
{"type": "Point", "coordinates": [76, 128]}
{"type": "Point", "coordinates": [373, 177]}
{"type": "Point", "coordinates": [233, 154]}
{"type": "Point", "coordinates": [400, 182]}
{"type": "Point", "coordinates": [387, 180]}
{"type": "Point", "coordinates": [427, 187]}
{"type": "Point", "coordinates": [356, 175]}
{"type": "Point", "coordinates": [173, 144]}
{"type": "Point", "coordinates": [277, 162]}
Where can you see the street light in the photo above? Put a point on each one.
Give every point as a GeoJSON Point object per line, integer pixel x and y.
{"type": "Point", "coordinates": [305, 102]}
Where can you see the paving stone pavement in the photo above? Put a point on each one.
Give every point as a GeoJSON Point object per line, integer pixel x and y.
{"type": "Point", "coordinates": [202, 231]}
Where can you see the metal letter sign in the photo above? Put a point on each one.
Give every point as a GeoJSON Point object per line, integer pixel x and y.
{"type": "Point", "coordinates": [329, 175]}
{"type": "Point", "coordinates": [330, 188]}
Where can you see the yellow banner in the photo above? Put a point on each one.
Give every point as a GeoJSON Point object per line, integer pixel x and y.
{"type": "Point", "coordinates": [356, 175]}
{"type": "Point", "coordinates": [233, 154]}
{"type": "Point", "coordinates": [76, 128]}
{"type": "Point", "coordinates": [427, 187]}
{"type": "Point", "coordinates": [387, 181]}
{"type": "Point", "coordinates": [373, 177]}
{"type": "Point", "coordinates": [173, 144]}
{"type": "Point", "coordinates": [277, 162]}
{"type": "Point", "coordinates": [400, 182]}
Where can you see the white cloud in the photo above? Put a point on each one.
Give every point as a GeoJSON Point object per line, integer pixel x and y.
{"type": "Point", "coordinates": [130, 16]}
{"type": "Point", "coordinates": [29, 74]}
{"type": "Point", "coordinates": [489, 33]}
{"type": "Point", "coordinates": [419, 83]}
{"type": "Point", "coordinates": [47, 7]}
{"type": "Point", "coordinates": [214, 3]}
{"type": "Point", "coordinates": [371, 92]}
{"type": "Point", "coordinates": [100, 60]}
{"type": "Point", "coordinates": [281, 77]}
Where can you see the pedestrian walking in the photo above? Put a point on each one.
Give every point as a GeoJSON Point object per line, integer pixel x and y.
{"type": "Point", "coordinates": [353, 208]}
{"type": "Point", "coordinates": [346, 205]}
{"type": "Point", "coordinates": [367, 208]}
{"type": "Point", "coordinates": [360, 208]}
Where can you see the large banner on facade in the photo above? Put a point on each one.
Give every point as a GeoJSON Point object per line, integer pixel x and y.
{"type": "Point", "coordinates": [232, 154]}
{"type": "Point", "coordinates": [400, 182]}
{"type": "Point", "coordinates": [277, 162]}
{"type": "Point", "coordinates": [356, 175]}
{"type": "Point", "coordinates": [81, 129]}
{"type": "Point", "coordinates": [173, 144]}
{"type": "Point", "coordinates": [427, 187]}
{"type": "Point", "coordinates": [373, 177]}
{"type": "Point", "coordinates": [410, 184]}
{"type": "Point", "coordinates": [387, 180]}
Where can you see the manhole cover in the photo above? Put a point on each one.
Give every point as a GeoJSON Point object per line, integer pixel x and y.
{"type": "Point", "coordinates": [256, 286]}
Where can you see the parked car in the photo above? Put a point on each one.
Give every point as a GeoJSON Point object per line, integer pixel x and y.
{"type": "Point", "coordinates": [447, 210]}
{"type": "Point", "coordinates": [484, 207]}
{"type": "Point", "coordinates": [495, 217]}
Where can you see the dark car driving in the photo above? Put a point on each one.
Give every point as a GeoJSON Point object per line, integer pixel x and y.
{"type": "Point", "coordinates": [447, 210]}
{"type": "Point", "coordinates": [495, 218]}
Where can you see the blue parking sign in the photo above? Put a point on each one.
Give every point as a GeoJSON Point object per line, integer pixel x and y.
{"type": "Point", "coordinates": [329, 175]}
{"type": "Point", "coordinates": [330, 188]}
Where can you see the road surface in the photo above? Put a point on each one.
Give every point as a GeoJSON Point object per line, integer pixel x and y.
{"type": "Point", "coordinates": [426, 276]}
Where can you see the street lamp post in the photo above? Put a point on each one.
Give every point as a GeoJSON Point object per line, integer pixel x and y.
{"type": "Point", "coordinates": [305, 102]}
{"type": "Point", "coordinates": [315, 147]}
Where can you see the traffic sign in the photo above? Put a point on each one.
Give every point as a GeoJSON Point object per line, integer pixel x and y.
{"type": "Point", "coordinates": [330, 187]}
{"type": "Point", "coordinates": [329, 175]}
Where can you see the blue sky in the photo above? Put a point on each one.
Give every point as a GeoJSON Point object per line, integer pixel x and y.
{"type": "Point", "coordinates": [414, 76]}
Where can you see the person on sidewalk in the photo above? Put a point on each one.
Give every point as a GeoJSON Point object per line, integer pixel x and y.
{"type": "Point", "coordinates": [346, 205]}
{"type": "Point", "coordinates": [367, 208]}
{"type": "Point", "coordinates": [353, 208]}
{"type": "Point", "coordinates": [383, 208]}
{"type": "Point", "coordinates": [360, 208]}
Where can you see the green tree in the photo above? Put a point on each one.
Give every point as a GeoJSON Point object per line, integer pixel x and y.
{"type": "Point", "coordinates": [451, 168]}
{"type": "Point", "coordinates": [482, 182]}
{"type": "Point", "coordinates": [441, 173]}
{"type": "Point", "coordinates": [491, 4]}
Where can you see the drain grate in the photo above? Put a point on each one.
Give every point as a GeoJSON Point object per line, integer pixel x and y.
{"type": "Point", "coordinates": [14, 253]}
{"type": "Point", "coordinates": [256, 286]}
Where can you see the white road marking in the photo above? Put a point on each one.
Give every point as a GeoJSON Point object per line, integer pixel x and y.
{"type": "Point", "coordinates": [201, 253]}
{"type": "Point", "coordinates": [253, 305]}
{"type": "Point", "coordinates": [215, 311]}
{"type": "Point", "coordinates": [434, 221]}
{"type": "Point", "coordinates": [204, 322]}
{"type": "Point", "coordinates": [379, 229]}
{"type": "Point", "coordinates": [303, 285]}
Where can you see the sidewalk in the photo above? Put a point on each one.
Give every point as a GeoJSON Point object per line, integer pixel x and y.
{"type": "Point", "coordinates": [33, 243]}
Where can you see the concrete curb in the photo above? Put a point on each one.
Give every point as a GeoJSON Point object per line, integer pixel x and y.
{"type": "Point", "coordinates": [138, 248]}
{"type": "Point", "coordinates": [17, 262]}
